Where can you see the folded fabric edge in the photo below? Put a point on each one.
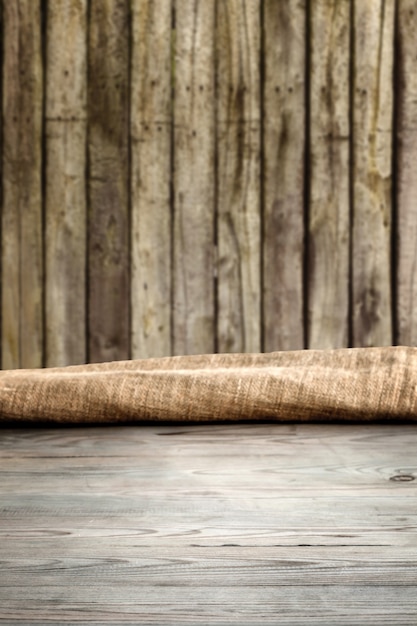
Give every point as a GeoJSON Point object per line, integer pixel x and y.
{"type": "Point", "coordinates": [348, 384]}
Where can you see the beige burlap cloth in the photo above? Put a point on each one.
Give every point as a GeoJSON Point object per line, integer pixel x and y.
{"type": "Point", "coordinates": [346, 384]}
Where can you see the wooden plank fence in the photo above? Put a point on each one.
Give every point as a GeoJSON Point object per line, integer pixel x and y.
{"type": "Point", "coordinates": [188, 176]}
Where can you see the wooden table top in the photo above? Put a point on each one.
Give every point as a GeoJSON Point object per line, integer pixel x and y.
{"type": "Point", "coordinates": [227, 524]}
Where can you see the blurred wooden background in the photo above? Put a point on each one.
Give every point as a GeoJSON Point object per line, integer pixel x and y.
{"type": "Point", "coordinates": [187, 176]}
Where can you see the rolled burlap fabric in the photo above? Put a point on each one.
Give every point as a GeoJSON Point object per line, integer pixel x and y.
{"type": "Point", "coordinates": [346, 384]}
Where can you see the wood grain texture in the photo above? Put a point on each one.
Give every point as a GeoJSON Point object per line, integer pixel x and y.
{"type": "Point", "coordinates": [108, 197]}
{"type": "Point", "coordinates": [372, 139]}
{"type": "Point", "coordinates": [238, 177]}
{"type": "Point", "coordinates": [194, 178]}
{"type": "Point", "coordinates": [329, 175]}
{"type": "Point", "coordinates": [209, 524]}
{"type": "Point", "coordinates": [65, 202]}
{"type": "Point", "coordinates": [151, 127]}
{"type": "Point", "coordinates": [406, 180]}
{"type": "Point", "coordinates": [22, 263]}
{"type": "Point", "coordinates": [284, 26]}
{"type": "Point", "coordinates": [157, 230]}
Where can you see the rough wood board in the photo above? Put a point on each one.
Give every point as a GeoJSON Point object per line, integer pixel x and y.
{"type": "Point", "coordinates": [151, 108]}
{"type": "Point", "coordinates": [329, 175]}
{"type": "Point", "coordinates": [65, 243]}
{"type": "Point", "coordinates": [238, 175]}
{"type": "Point", "coordinates": [209, 524]}
{"type": "Point", "coordinates": [406, 180]}
{"type": "Point", "coordinates": [22, 264]}
{"type": "Point", "coordinates": [284, 26]}
{"type": "Point", "coordinates": [194, 180]}
{"type": "Point", "coordinates": [65, 202]}
{"type": "Point", "coordinates": [108, 197]}
{"type": "Point", "coordinates": [372, 138]}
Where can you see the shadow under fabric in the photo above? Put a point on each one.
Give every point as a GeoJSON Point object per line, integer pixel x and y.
{"type": "Point", "coordinates": [345, 384]}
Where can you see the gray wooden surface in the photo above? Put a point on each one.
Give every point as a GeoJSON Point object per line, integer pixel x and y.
{"type": "Point", "coordinates": [230, 524]}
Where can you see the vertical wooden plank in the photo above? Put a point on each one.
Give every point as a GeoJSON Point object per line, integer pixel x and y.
{"type": "Point", "coordinates": [108, 191]}
{"type": "Point", "coordinates": [406, 159]}
{"type": "Point", "coordinates": [194, 183]}
{"type": "Point", "coordinates": [238, 194]}
{"type": "Point", "coordinates": [372, 137]}
{"type": "Point", "coordinates": [283, 177]}
{"type": "Point", "coordinates": [329, 202]}
{"type": "Point", "coordinates": [151, 106]}
{"type": "Point", "coordinates": [22, 264]}
{"type": "Point", "coordinates": [65, 254]}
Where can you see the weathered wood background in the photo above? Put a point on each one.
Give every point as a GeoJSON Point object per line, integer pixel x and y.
{"type": "Point", "coordinates": [183, 176]}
